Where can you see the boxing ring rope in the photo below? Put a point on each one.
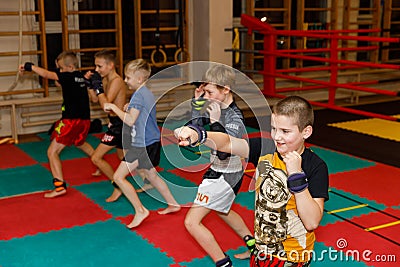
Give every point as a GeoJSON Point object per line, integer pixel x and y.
{"type": "Point", "coordinates": [335, 65]}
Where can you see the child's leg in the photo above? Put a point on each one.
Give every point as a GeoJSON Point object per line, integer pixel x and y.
{"type": "Point", "coordinates": [203, 236]}
{"type": "Point", "coordinates": [88, 150]}
{"type": "Point", "coordinates": [53, 154]}
{"type": "Point", "coordinates": [162, 187]}
{"type": "Point", "coordinates": [235, 221]}
{"type": "Point", "coordinates": [126, 187]}
{"type": "Point", "coordinates": [98, 159]}
{"type": "Point", "coordinates": [105, 167]}
{"type": "Point", "coordinates": [147, 185]}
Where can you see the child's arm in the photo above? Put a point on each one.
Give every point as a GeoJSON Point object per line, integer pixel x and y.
{"type": "Point", "coordinates": [28, 66]}
{"type": "Point", "coordinates": [128, 118]}
{"type": "Point", "coordinates": [92, 94]}
{"type": "Point", "coordinates": [113, 90]}
{"type": "Point", "coordinates": [215, 140]}
{"type": "Point", "coordinates": [310, 209]}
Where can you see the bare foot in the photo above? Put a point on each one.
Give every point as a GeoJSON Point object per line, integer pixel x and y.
{"type": "Point", "coordinates": [169, 209]}
{"type": "Point", "coordinates": [54, 193]}
{"type": "Point", "coordinates": [97, 173]}
{"type": "Point", "coordinates": [114, 196]}
{"type": "Point", "coordinates": [144, 188]}
{"type": "Point", "coordinates": [139, 218]}
{"type": "Point", "coordinates": [243, 256]}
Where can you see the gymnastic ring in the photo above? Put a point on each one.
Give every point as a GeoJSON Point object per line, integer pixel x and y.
{"type": "Point", "coordinates": [160, 63]}
{"type": "Point", "coordinates": [183, 52]}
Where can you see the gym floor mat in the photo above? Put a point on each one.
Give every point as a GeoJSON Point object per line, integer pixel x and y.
{"type": "Point", "coordinates": [91, 232]}
{"type": "Point", "coordinates": [380, 183]}
{"type": "Point", "coordinates": [12, 157]}
{"type": "Point", "coordinates": [32, 214]}
{"type": "Point", "coordinates": [79, 246]}
{"type": "Point", "coordinates": [156, 233]}
{"type": "Point", "coordinates": [375, 127]}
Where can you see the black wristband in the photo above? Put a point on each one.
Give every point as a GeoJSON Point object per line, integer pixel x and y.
{"type": "Point", "coordinates": [217, 127]}
{"type": "Point", "coordinates": [297, 182]}
{"type": "Point", "coordinates": [28, 66]}
{"type": "Point", "coordinates": [99, 91]}
{"type": "Point", "coordinates": [201, 132]}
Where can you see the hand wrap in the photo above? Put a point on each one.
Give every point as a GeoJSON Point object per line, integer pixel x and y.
{"type": "Point", "coordinates": [201, 133]}
{"type": "Point", "coordinates": [97, 84]}
{"type": "Point", "coordinates": [198, 104]}
{"type": "Point", "coordinates": [28, 66]}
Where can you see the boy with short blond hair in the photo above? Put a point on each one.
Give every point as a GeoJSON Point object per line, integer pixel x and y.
{"type": "Point", "coordinates": [74, 125]}
{"type": "Point", "coordinates": [143, 153]}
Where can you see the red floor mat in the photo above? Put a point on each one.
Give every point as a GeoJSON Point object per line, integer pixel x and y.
{"type": "Point", "coordinates": [167, 137]}
{"type": "Point", "coordinates": [195, 174]}
{"type": "Point", "coordinates": [12, 157]}
{"type": "Point", "coordinates": [181, 246]}
{"type": "Point", "coordinates": [31, 214]}
{"type": "Point", "coordinates": [380, 218]}
{"type": "Point", "coordinates": [379, 183]}
{"type": "Point", "coordinates": [79, 171]}
{"type": "Point", "coordinates": [258, 134]}
{"type": "Point", "coordinates": [354, 240]}
{"type": "Point", "coordinates": [191, 173]}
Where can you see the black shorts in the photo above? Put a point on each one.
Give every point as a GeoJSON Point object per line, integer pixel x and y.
{"type": "Point", "coordinates": [113, 136]}
{"type": "Point", "coordinates": [148, 157]}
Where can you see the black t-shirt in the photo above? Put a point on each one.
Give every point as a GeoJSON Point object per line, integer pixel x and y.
{"type": "Point", "coordinates": [313, 166]}
{"type": "Point", "coordinates": [75, 95]}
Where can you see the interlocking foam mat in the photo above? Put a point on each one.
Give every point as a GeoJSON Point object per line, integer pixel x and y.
{"type": "Point", "coordinates": [375, 127]}
{"type": "Point", "coordinates": [81, 229]}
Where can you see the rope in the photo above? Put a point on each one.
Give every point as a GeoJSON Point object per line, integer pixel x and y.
{"type": "Point", "coordinates": [14, 84]}
{"type": "Point", "coordinates": [236, 45]}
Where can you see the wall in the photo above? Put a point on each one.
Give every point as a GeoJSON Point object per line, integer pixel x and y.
{"type": "Point", "coordinates": [208, 38]}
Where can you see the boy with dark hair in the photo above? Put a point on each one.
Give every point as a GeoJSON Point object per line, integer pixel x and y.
{"type": "Point", "coordinates": [108, 87]}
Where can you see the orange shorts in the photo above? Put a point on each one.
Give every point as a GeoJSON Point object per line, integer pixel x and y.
{"type": "Point", "coordinates": [71, 131]}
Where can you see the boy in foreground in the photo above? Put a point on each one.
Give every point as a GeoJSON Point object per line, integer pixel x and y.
{"type": "Point", "coordinates": [291, 186]}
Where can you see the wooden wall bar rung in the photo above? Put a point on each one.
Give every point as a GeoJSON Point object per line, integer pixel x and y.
{"type": "Point", "coordinates": [162, 11]}
{"type": "Point", "coordinates": [316, 9]}
{"type": "Point", "coordinates": [154, 47]}
{"type": "Point", "coordinates": [13, 33]}
{"type": "Point", "coordinates": [22, 92]}
{"type": "Point", "coordinates": [92, 12]}
{"type": "Point", "coordinates": [15, 53]}
{"type": "Point", "coordinates": [93, 31]}
{"type": "Point", "coordinates": [270, 9]}
{"type": "Point", "coordinates": [161, 29]}
{"type": "Point", "coordinates": [40, 113]}
{"type": "Point", "coordinates": [93, 49]}
{"type": "Point", "coordinates": [16, 13]}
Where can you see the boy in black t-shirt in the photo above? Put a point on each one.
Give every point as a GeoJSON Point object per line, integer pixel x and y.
{"type": "Point", "coordinates": [73, 127]}
{"type": "Point", "coordinates": [291, 186]}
